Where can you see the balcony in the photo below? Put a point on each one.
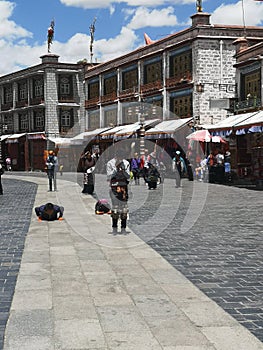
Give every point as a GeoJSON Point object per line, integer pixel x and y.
{"type": "Point", "coordinates": [174, 81]}
{"type": "Point", "coordinates": [109, 97]}
{"type": "Point", "coordinates": [250, 104]}
{"type": "Point", "coordinates": [128, 93]}
{"type": "Point", "coordinates": [92, 102]}
{"type": "Point", "coordinates": [36, 101]}
{"type": "Point", "coordinates": [20, 104]}
{"type": "Point", "coordinates": [7, 106]}
{"type": "Point", "coordinates": [63, 99]}
{"type": "Point", "coordinates": [151, 87]}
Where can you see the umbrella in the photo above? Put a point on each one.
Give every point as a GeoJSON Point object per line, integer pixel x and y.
{"type": "Point", "coordinates": [218, 139]}
{"type": "Point", "coordinates": [200, 135]}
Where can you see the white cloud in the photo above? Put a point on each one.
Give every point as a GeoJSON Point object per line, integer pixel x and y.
{"type": "Point", "coordinates": [77, 47]}
{"type": "Point", "coordinates": [144, 17]}
{"type": "Point", "coordinates": [91, 4]}
{"type": "Point", "coordinates": [9, 29]}
{"type": "Point", "coordinates": [233, 13]}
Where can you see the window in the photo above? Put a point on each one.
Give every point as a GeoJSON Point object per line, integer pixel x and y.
{"type": "Point", "coordinates": [38, 87]}
{"type": "Point", "coordinates": [111, 117]}
{"type": "Point", "coordinates": [152, 72]}
{"type": "Point", "coordinates": [8, 126]}
{"type": "Point", "coordinates": [65, 86]}
{"type": "Point", "coordinates": [24, 122]}
{"type": "Point", "coordinates": [110, 85]}
{"type": "Point", "coordinates": [66, 118]}
{"type": "Point", "coordinates": [22, 91]}
{"type": "Point", "coordinates": [39, 120]}
{"type": "Point", "coordinates": [8, 94]}
{"type": "Point", "coordinates": [130, 79]}
{"type": "Point", "coordinates": [252, 84]}
{"type": "Point", "coordinates": [182, 106]}
{"type": "Point", "coordinates": [93, 90]}
{"type": "Point", "coordinates": [181, 65]}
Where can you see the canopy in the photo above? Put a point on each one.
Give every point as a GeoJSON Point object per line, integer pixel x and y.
{"type": "Point", "coordinates": [4, 137]}
{"type": "Point", "coordinates": [254, 120]}
{"type": "Point", "coordinates": [130, 129]}
{"type": "Point", "coordinates": [200, 135]}
{"type": "Point", "coordinates": [205, 136]}
{"type": "Point", "coordinates": [60, 141]}
{"type": "Point", "coordinates": [14, 138]}
{"type": "Point", "coordinates": [109, 133]}
{"type": "Point", "coordinates": [167, 127]}
{"type": "Point", "coordinates": [84, 136]}
{"type": "Point", "coordinates": [230, 122]}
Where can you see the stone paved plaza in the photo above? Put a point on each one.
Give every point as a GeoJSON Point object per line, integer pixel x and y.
{"type": "Point", "coordinates": [210, 233]}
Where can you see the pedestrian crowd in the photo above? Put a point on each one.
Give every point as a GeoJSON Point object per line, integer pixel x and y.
{"type": "Point", "coordinates": [149, 167]}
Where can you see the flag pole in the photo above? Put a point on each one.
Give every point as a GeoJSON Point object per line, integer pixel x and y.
{"type": "Point", "coordinates": [244, 23]}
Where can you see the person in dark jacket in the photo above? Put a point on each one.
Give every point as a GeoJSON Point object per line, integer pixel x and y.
{"type": "Point", "coordinates": [1, 173]}
{"type": "Point", "coordinates": [49, 212]}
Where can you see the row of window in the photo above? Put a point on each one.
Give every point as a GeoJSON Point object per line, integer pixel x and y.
{"type": "Point", "coordinates": [66, 120]}
{"type": "Point", "coordinates": [180, 66]}
{"type": "Point", "coordinates": [65, 86]}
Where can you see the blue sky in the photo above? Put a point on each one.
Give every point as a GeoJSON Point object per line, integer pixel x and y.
{"type": "Point", "coordinates": [119, 26]}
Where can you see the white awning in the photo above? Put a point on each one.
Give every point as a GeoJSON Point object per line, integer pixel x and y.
{"type": "Point", "coordinates": [230, 122]}
{"type": "Point", "coordinates": [36, 136]}
{"type": "Point", "coordinates": [4, 137]}
{"type": "Point", "coordinates": [168, 127]}
{"type": "Point", "coordinates": [130, 129]}
{"type": "Point", "coordinates": [60, 141]}
{"type": "Point", "coordinates": [87, 135]}
{"type": "Point", "coordinates": [109, 133]}
{"type": "Point", "coordinates": [254, 120]}
{"type": "Point", "coordinates": [14, 138]}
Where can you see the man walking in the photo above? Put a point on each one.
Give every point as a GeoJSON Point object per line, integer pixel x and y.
{"type": "Point", "coordinates": [118, 174]}
{"type": "Point", "coordinates": [52, 165]}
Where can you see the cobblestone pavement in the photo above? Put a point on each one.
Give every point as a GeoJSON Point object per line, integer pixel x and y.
{"type": "Point", "coordinates": [16, 209]}
{"type": "Point", "coordinates": [221, 253]}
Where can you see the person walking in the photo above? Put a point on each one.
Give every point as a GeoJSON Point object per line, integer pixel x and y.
{"type": "Point", "coordinates": [1, 173]}
{"type": "Point", "coordinates": [152, 177]}
{"type": "Point", "coordinates": [88, 164]}
{"type": "Point", "coordinates": [118, 175]}
{"type": "Point", "coordinates": [52, 165]}
{"type": "Point", "coordinates": [177, 167]}
{"type": "Point", "coordinates": [135, 168]}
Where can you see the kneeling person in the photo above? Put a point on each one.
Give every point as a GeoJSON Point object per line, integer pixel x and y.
{"type": "Point", "coordinates": [49, 212]}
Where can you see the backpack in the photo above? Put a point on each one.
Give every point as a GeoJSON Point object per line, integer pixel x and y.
{"type": "Point", "coordinates": [120, 177]}
{"type": "Point", "coordinates": [50, 162]}
{"type": "Point", "coordinates": [102, 207]}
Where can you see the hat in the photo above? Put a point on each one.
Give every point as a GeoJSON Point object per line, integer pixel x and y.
{"type": "Point", "coordinates": [178, 153]}
{"type": "Point", "coordinates": [50, 152]}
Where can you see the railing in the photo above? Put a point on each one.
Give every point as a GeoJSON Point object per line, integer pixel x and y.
{"type": "Point", "coordinates": [6, 106]}
{"type": "Point", "coordinates": [22, 103]}
{"type": "Point", "coordinates": [66, 100]}
{"type": "Point", "coordinates": [36, 100]}
{"type": "Point", "coordinates": [109, 97]}
{"type": "Point", "coordinates": [91, 102]}
{"type": "Point", "coordinates": [173, 81]}
{"type": "Point", "coordinates": [248, 104]}
{"type": "Point", "coordinates": [128, 92]}
{"type": "Point", "coordinates": [156, 85]}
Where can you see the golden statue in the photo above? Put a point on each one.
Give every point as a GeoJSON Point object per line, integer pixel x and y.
{"type": "Point", "coordinates": [199, 6]}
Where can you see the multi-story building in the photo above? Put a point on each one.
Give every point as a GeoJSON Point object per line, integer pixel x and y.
{"type": "Point", "coordinates": [187, 74]}
{"type": "Point", "coordinates": [244, 129]}
{"type": "Point", "coordinates": [39, 104]}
